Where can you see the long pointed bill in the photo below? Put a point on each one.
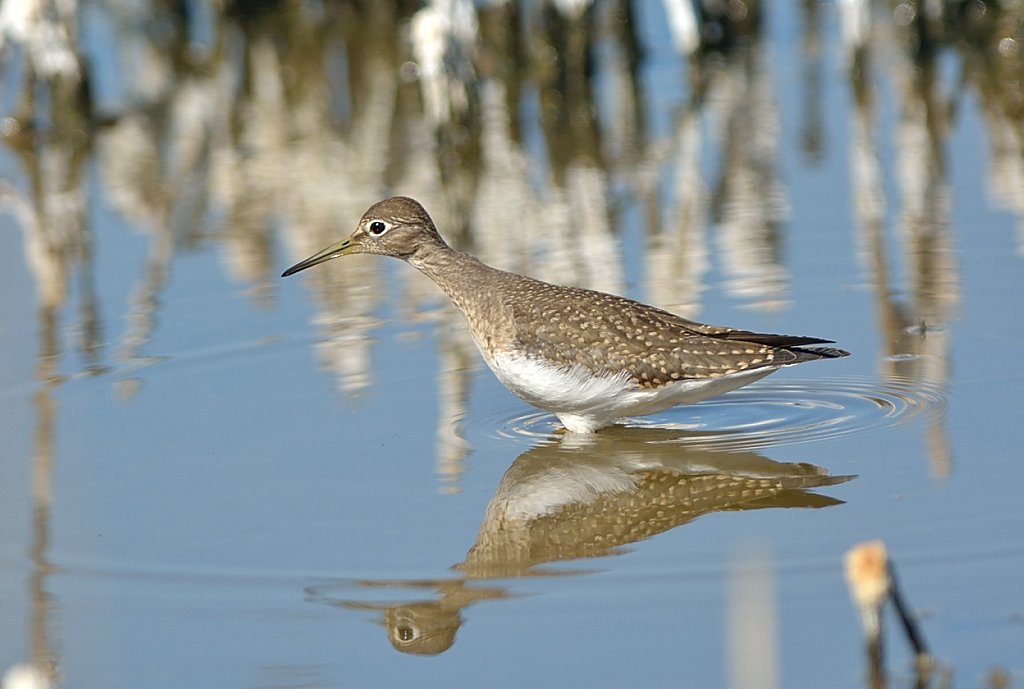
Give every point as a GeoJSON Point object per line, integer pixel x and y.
{"type": "Point", "coordinates": [342, 248]}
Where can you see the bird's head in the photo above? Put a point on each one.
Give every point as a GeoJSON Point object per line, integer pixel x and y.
{"type": "Point", "coordinates": [397, 227]}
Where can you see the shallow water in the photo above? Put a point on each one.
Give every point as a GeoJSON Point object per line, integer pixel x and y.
{"type": "Point", "coordinates": [213, 477]}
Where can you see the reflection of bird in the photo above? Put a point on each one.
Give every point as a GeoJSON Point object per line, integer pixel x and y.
{"type": "Point", "coordinates": [586, 356]}
{"type": "Point", "coordinates": [584, 497]}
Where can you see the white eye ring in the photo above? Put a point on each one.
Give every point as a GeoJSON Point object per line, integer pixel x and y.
{"type": "Point", "coordinates": [377, 228]}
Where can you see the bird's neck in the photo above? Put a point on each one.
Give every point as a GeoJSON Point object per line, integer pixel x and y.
{"type": "Point", "coordinates": [454, 272]}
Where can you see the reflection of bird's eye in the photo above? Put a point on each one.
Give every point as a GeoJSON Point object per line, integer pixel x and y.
{"type": "Point", "coordinates": [404, 633]}
{"type": "Point", "coordinates": [378, 228]}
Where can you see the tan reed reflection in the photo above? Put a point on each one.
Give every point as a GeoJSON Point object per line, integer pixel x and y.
{"type": "Point", "coordinates": [57, 244]}
{"type": "Point", "coordinates": [575, 242]}
{"type": "Point", "coordinates": [991, 45]}
{"type": "Point", "coordinates": [913, 321]}
{"type": "Point", "coordinates": [734, 88]}
{"type": "Point", "coordinates": [731, 99]}
{"type": "Point", "coordinates": [812, 130]}
{"type": "Point", "coordinates": [585, 497]}
{"type": "Point", "coordinates": [51, 131]}
{"type": "Point", "coordinates": [749, 202]}
{"type": "Point", "coordinates": [313, 172]}
{"type": "Point", "coordinates": [458, 360]}
{"type": "Point", "coordinates": [752, 620]}
{"type": "Point", "coordinates": [43, 647]}
{"type": "Point", "coordinates": [677, 257]}
{"type": "Point", "coordinates": [141, 318]}
{"type": "Point", "coordinates": [42, 667]}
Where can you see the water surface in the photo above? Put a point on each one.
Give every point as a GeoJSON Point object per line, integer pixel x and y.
{"type": "Point", "coordinates": [213, 477]}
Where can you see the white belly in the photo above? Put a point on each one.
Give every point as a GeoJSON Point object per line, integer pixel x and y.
{"type": "Point", "coordinates": [585, 402]}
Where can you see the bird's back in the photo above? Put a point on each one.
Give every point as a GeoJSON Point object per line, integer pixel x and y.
{"type": "Point", "coordinates": [608, 334]}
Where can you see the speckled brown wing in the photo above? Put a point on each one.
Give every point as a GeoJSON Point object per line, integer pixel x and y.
{"type": "Point", "coordinates": [609, 335]}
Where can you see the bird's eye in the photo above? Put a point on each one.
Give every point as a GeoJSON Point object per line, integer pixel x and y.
{"type": "Point", "coordinates": [377, 228]}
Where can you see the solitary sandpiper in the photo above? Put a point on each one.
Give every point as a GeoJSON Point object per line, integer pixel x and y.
{"type": "Point", "coordinates": [588, 357]}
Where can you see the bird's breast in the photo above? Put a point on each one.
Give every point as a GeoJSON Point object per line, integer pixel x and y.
{"type": "Point", "coordinates": [557, 387]}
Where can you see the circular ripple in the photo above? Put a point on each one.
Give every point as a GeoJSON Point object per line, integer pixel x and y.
{"type": "Point", "coordinates": [767, 414]}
